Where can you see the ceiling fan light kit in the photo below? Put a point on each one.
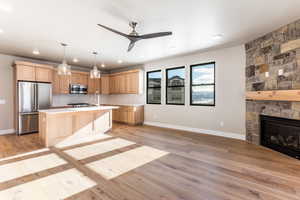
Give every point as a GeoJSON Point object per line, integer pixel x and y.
{"type": "Point", "coordinates": [133, 37]}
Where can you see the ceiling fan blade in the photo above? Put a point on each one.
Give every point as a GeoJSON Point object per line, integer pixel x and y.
{"type": "Point", "coordinates": [155, 35]}
{"type": "Point", "coordinates": [131, 45]}
{"type": "Point", "coordinates": [114, 31]}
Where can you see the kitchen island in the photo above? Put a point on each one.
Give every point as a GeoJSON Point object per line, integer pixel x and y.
{"type": "Point", "coordinates": [68, 126]}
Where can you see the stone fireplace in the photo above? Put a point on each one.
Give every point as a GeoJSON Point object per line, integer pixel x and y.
{"type": "Point", "coordinates": [272, 63]}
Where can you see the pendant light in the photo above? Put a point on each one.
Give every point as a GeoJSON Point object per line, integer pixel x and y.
{"type": "Point", "coordinates": [95, 73]}
{"type": "Point", "coordinates": [64, 68]}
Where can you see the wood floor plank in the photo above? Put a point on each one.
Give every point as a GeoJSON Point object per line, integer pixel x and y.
{"type": "Point", "coordinates": [198, 167]}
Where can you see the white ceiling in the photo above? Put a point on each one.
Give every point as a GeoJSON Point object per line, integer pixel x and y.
{"type": "Point", "coordinates": [43, 24]}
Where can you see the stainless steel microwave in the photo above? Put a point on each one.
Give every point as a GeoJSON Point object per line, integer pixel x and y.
{"type": "Point", "coordinates": [78, 89]}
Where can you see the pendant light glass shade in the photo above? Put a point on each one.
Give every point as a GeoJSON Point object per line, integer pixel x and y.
{"type": "Point", "coordinates": [64, 68]}
{"type": "Point", "coordinates": [95, 72]}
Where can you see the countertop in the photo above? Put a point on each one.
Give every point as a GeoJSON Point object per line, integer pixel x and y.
{"type": "Point", "coordinates": [67, 110]}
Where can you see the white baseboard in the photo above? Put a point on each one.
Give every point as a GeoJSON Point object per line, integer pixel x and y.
{"type": "Point", "coordinates": [7, 131]}
{"type": "Point", "coordinates": [197, 130]}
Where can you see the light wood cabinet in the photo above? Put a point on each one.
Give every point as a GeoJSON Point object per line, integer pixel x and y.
{"type": "Point", "coordinates": [61, 83]}
{"type": "Point", "coordinates": [79, 78]}
{"type": "Point", "coordinates": [105, 85]}
{"type": "Point", "coordinates": [133, 83]}
{"type": "Point", "coordinates": [64, 82]}
{"type": "Point", "coordinates": [132, 115]}
{"type": "Point", "coordinates": [26, 71]}
{"type": "Point", "coordinates": [94, 86]}
{"type": "Point", "coordinates": [129, 82]}
{"type": "Point", "coordinates": [75, 78]}
{"type": "Point", "coordinates": [44, 74]}
{"type": "Point", "coordinates": [56, 83]}
{"type": "Point", "coordinates": [65, 127]}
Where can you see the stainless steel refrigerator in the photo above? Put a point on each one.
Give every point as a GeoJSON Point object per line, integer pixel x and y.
{"type": "Point", "coordinates": [31, 98]}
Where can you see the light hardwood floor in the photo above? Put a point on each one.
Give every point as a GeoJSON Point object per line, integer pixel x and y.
{"type": "Point", "coordinates": [194, 167]}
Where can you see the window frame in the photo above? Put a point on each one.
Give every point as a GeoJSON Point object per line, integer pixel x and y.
{"type": "Point", "coordinates": [207, 84]}
{"type": "Point", "coordinates": [147, 85]}
{"type": "Point", "coordinates": [166, 86]}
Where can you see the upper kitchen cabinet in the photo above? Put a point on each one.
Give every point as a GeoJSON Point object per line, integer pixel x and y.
{"type": "Point", "coordinates": [44, 74]}
{"type": "Point", "coordinates": [26, 71]}
{"type": "Point", "coordinates": [61, 83]}
{"type": "Point", "coordinates": [94, 86]}
{"type": "Point", "coordinates": [79, 78]}
{"type": "Point", "coordinates": [128, 82]}
{"type": "Point", "coordinates": [104, 83]}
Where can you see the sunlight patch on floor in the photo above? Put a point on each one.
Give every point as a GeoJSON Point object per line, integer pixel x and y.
{"type": "Point", "coordinates": [25, 154]}
{"type": "Point", "coordinates": [29, 166]}
{"type": "Point", "coordinates": [53, 187]}
{"type": "Point", "coordinates": [98, 148]}
{"type": "Point", "coordinates": [119, 164]}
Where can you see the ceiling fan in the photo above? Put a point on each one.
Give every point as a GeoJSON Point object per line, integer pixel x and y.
{"type": "Point", "coordinates": [134, 36]}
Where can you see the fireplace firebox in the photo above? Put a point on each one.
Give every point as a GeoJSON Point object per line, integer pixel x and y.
{"type": "Point", "coordinates": [280, 134]}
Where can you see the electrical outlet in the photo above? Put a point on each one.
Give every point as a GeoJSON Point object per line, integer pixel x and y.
{"type": "Point", "coordinates": [2, 101]}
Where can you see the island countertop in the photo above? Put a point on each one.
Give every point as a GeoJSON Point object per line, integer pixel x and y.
{"type": "Point", "coordinates": [82, 109]}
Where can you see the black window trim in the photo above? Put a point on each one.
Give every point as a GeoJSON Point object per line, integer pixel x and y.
{"type": "Point", "coordinates": [176, 104]}
{"type": "Point", "coordinates": [191, 84]}
{"type": "Point", "coordinates": [147, 100]}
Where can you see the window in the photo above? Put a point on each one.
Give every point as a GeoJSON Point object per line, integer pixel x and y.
{"type": "Point", "coordinates": [154, 87]}
{"type": "Point", "coordinates": [203, 84]}
{"type": "Point", "coordinates": [175, 86]}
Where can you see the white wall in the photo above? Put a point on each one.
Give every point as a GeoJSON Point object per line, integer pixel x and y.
{"type": "Point", "coordinates": [230, 88]}
{"type": "Point", "coordinates": [6, 92]}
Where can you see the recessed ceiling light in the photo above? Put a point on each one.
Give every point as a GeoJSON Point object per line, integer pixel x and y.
{"type": "Point", "coordinates": [75, 60]}
{"type": "Point", "coordinates": [217, 36]}
{"type": "Point", "coordinates": [36, 52]}
{"type": "Point", "coordinates": [120, 61]}
{"type": "Point", "coordinates": [1, 31]}
{"type": "Point", "coordinates": [5, 8]}
{"type": "Point", "coordinates": [102, 65]}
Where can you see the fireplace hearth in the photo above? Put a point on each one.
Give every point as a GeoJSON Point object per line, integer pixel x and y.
{"type": "Point", "coordinates": [281, 134]}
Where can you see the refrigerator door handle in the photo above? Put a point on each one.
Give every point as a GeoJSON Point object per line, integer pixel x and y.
{"type": "Point", "coordinates": [36, 97]}
{"type": "Point", "coordinates": [32, 97]}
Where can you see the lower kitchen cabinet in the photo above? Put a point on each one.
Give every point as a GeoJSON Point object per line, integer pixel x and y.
{"type": "Point", "coordinates": [132, 115]}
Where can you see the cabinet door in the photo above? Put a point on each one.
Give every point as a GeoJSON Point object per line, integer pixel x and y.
{"type": "Point", "coordinates": [91, 86]}
{"type": "Point", "coordinates": [75, 78]}
{"type": "Point", "coordinates": [84, 79]}
{"type": "Point", "coordinates": [56, 83]}
{"type": "Point", "coordinates": [105, 85]}
{"type": "Point", "coordinates": [133, 87]}
{"type": "Point", "coordinates": [131, 117]}
{"type": "Point", "coordinates": [44, 75]}
{"type": "Point", "coordinates": [64, 84]}
{"type": "Point", "coordinates": [112, 86]}
{"type": "Point", "coordinates": [121, 84]}
{"type": "Point", "coordinates": [97, 86]}
{"type": "Point", "coordinates": [25, 73]}
{"type": "Point", "coordinates": [116, 115]}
